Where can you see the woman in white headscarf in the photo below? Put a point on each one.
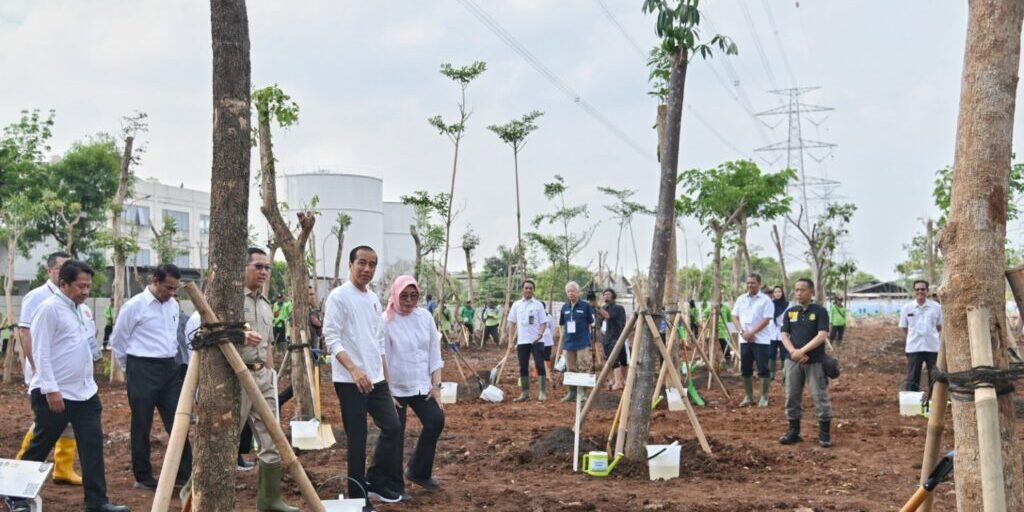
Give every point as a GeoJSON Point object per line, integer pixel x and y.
{"type": "Point", "coordinates": [412, 346]}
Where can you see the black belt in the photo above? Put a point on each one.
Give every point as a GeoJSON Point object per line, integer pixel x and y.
{"type": "Point", "coordinates": [152, 359]}
{"type": "Point", "coordinates": [255, 366]}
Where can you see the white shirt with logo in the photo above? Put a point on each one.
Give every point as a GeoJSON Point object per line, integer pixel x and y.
{"type": "Point", "coordinates": [751, 310]}
{"type": "Point", "coordinates": [922, 322]}
{"type": "Point", "coordinates": [528, 316]}
{"type": "Point", "coordinates": [60, 349]}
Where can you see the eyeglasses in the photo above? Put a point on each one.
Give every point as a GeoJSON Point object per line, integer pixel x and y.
{"type": "Point", "coordinates": [262, 267]}
{"type": "Point", "coordinates": [414, 297]}
{"type": "Point", "coordinates": [920, 289]}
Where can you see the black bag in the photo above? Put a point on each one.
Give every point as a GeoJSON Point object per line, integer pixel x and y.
{"type": "Point", "coordinates": [831, 367]}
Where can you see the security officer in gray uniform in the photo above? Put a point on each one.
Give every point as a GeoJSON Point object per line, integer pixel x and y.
{"type": "Point", "coordinates": [258, 355]}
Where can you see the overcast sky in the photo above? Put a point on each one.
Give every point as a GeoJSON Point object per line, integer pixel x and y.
{"type": "Point", "coordinates": [365, 76]}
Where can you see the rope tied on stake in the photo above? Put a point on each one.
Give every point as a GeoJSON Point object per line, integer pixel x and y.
{"type": "Point", "coordinates": [212, 335]}
{"type": "Point", "coordinates": [296, 346]}
{"type": "Point", "coordinates": [962, 384]}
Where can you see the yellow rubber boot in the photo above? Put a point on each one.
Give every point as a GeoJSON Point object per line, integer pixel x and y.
{"type": "Point", "coordinates": [64, 462]}
{"type": "Point", "coordinates": [25, 441]}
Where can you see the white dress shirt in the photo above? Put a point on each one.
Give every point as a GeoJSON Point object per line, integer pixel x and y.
{"type": "Point", "coordinates": [413, 347]}
{"type": "Point", "coordinates": [352, 324]}
{"type": "Point", "coordinates": [31, 302]}
{"type": "Point", "coordinates": [90, 325]}
{"type": "Point", "coordinates": [751, 310]}
{"type": "Point", "coordinates": [922, 323]}
{"type": "Point", "coordinates": [60, 348]}
{"type": "Point", "coordinates": [528, 315]}
{"type": "Point", "coordinates": [145, 327]}
{"type": "Point", "coordinates": [192, 327]}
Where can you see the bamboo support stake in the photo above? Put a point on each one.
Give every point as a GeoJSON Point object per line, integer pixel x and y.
{"type": "Point", "coordinates": [609, 365]}
{"type": "Point", "coordinates": [711, 368]}
{"type": "Point", "coordinates": [990, 456]}
{"type": "Point", "coordinates": [936, 425]}
{"type": "Point", "coordinates": [288, 459]}
{"type": "Point", "coordinates": [176, 441]}
{"type": "Point", "coordinates": [656, 336]}
{"type": "Point", "coordinates": [615, 428]}
{"type": "Point", "coordinates": [667, 364]}
{"type": "Point", "coordinates": [620, 440]}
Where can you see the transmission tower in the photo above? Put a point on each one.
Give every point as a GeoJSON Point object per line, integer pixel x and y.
{"type": "Point", "coordinates": [811, 188]}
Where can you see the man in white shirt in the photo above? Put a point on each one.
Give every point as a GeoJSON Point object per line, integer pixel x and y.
{"type": "Point", "coordinates": [752, 314]}
{"type": "Point", "coordinates": [354, 337]}
{"type": "Point", "coordinates": [145, 347]}
{"type": "Point", "coordinates": [64, 450]}
{"type": "Point", "coordinates": [921, 321]}
{"type": "Point", "coordinates": [63, 390]}
{"type": "Point", "coordinates": [527, 324]}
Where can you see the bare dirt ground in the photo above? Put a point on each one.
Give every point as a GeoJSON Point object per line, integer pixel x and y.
{"type": "Point", "coordinates": [518, 457]}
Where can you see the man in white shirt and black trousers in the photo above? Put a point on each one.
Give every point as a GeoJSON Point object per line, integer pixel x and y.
{"type": "Point", "coordinates": [354, 337]}
{"type": "Point", "coordinates": [752, 313]}
{"type": "Point", "coordinates": [921, 321]}
{"type": "Point", "coordinates": [145, 346]}
{"type": "Point", "coordinates": [63, 389]}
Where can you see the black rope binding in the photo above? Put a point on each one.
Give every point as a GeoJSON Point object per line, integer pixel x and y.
{"type": "Point", "coordinates": [962, 384]}
{"type": "Point", "coordinates": [296, 346]}
{"type": "Point", "coordinates": [211, 335]}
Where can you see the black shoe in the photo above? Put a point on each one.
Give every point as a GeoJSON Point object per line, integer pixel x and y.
{"type": "Point", "coordinates": [427, 483]}
{"type": "Point", "coordinates": [17, 505]}
{"type": "Point", "coordinates": [824, 434]}
{"type": "Point", "coordinates": [793, 434]}
{"type": "Point", "coordinates": [244, 465]}
{"type": "Point", "coordinates": [369, 508]}
{"type": "Point", "coordinates": [147, 483]}
{"type": "Point", "coordinates": [108, 507]}
{"type": "Point", "coordinates": [382, 494]}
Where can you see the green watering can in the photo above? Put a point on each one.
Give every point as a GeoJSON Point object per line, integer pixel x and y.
{"type": "Point", "coordinates": [596, 463]}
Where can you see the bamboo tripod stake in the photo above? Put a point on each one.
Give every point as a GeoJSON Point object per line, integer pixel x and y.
{"type": "Point", "coordinates": [986, 407]}
{"type": "Point", "coordinates": [620, 439]}
{"type": "Point", "coordinates": [288, 459]}
{"type": "Point", "coordinates": [609, 362]}
{"type": "Point", "coordinates": [936, 424]}
{"type": "Point", "coordinates": [179, 432]}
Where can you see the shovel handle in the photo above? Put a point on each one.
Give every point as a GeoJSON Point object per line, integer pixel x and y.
{"type": "Point", "coordinates": [916, 500]}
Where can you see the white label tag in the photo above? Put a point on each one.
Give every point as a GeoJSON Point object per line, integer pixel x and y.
{"type": "Point", "coordinates": [570, 327]}
{"type": "Point", "coordinates": [604, 326]}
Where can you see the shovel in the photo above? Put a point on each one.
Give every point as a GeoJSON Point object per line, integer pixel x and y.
{"type": "Point", "coordinates": [479, 380]}
{"type": "Point", "coordinates": [938, 475]}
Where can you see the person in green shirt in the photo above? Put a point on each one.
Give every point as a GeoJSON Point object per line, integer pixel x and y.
{"type": "Point", "coordinates": [837, 317]}
{"type": "Point", "coordinates": [108, 327]}
{"type": "Point", "coordinates": [467, 314]}
{"type": "Point", "coordinates": [723, 331]}
{"type": "Point", "coordinates": [492, 318]}
{"type": "Point", "coordinates": [282, 315]}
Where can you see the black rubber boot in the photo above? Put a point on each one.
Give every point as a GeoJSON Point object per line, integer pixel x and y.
{"type": "Point", "coordinates": [824, 433]}
{"type": "Point", "coordinates": [793, 434]}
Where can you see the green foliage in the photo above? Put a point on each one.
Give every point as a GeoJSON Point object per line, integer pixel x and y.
{"type": "Point", "coordinates": [734, 190]}
{"type": "Point", "coordinates": [278, 280]}
{"type": "Point", "coordinates": [942, 192]}
{"type": "Point", "coordinates": [514, 132]}
{"type": "Point", "coordinates": [341, 223]}
{"type": "Point", "coordinates": [676, 27]}
{"type": "Point", "coordinates": [916, 264]}
{"type": "Point", "coordinates": [17, 215]}
{"type": "Point", "coordinates": [167, 243]}
{"type": "Point", "coordinates": [23, 145]}
{"type": "Point", "coordinates": [79, 185]}
{"type": "Point", "coordinates": [427, 207]}
{"type": "Point", "coordinates": [273, 104]}
{"type": "Point", "coordinates": [470, 240]}
{"type": "Point", "coordinates": [571, 243]}
{"type": "Point", "coordinates": [491, 281]}
{"type": "Point", "coordinates": [840, 276]}
{"type": "Point", "coordinates": [551, 281]}
{"type": "Point", "coordinates": [464, 74]}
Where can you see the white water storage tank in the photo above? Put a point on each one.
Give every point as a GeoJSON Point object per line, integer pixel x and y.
{"type": "Point", "coordinates": [358, 195]}
{"type": "Point", "coordinates": [399, 247]}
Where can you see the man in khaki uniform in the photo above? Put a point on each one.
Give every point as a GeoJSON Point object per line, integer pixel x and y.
{"type": "Point", "coordinates": [258, 355]}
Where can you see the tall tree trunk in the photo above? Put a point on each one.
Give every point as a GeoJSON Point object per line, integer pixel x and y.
{"type": "Point", "coordinates": [741, 226]}
{"type": "Point", "coordinates": [335, 281]}
{"type": "Point", "coordinates": [974, 239]}
{"type": "Point", "coordinates": [448, 215]}
{"type": "Point", "coordinates": [671, 297]}
{"type": "Point", "coordinates": [469, 270]}
{"type": "Point", "coordinates": [12, 254]}
{"type": "Point", "coordinates": [639, 417]}
{"type": "Point", "coordinates": [216, 441]}
{"type": "Point", "coordinates": [294, 249]}
{"type": "Point", "coordinates": [737, 280]}
{"type": "Point", "coordinates": [117, 287]}
{"type": "Point", "coordinates": [419, 251]}
{"type": "Point", "coordinates": [782, 257]}
{"type": "Point", "coordinates": [519, 219]}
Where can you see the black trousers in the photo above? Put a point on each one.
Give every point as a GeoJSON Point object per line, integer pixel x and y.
{"type": "Point", "coordinates": [523, 352]}
{"type": "Point", "coordinates": [386, 469]}
{"type": "Point", "coordinates": [280, 335]}
{"type": "Point", "coordinates": [107, 330]}
{"type": "Point", "coordinates": [914, 362]}
{"type": "Point", "coordinates": [85, 418]}
{"type": "Point", "coordinates": [469, 327]}
{"type": "Point", "coordinates": [153, 383]}
{"type": "Point", "coordinates": [751, 353]}
{"type": "Point", "coordinates": [621, 360]}
{"type": "Point", "coordinates": [837, 333]}
{"type": "Point", "coordinates": [726, 349]}
{"type": "Point", "coordinates": [492, 331]}
{"type": "Point", "coordinates": [421, 465]}
{"type": "Point", "coordinates": [245, 437]}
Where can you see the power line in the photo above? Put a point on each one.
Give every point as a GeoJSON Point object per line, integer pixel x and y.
{"type": "Point", "coordinates": [622, 30]}
{"type": "Point", "coordinates": [757, 44]}
{"type": "Point", "coordinates": [530, 59]}
{"type": "Point", "coordinates": [778, 41]}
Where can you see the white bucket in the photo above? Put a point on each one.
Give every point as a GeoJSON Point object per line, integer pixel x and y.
{"type": "Point", "coordinates": [304, 434]}
{"type": "Point", "coordinates": [910, 403]}
{"type": "Point", "coordinates": [449, 392]}
{"type": "Point", "coordinates": [344, 505]}
{"type": "Point", "coordinates": [492, 394]}
{"type": "Point", "coordinates": [675, 402]}
{"type": "Point", "coordinates": [664, 465]}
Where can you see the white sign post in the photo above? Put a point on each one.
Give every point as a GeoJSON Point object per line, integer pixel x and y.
{"type": "Point", "coordinates": [23, 478]}
{"type": "Point", "coordinates": [580, 380]}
